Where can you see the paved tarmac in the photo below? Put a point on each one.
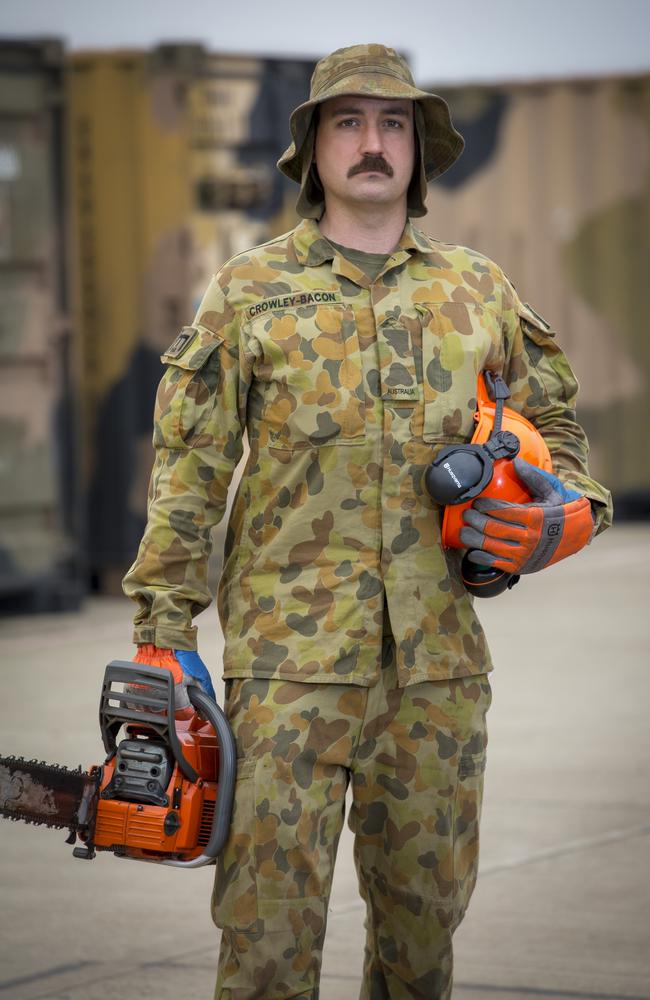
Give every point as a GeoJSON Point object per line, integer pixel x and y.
{"type": "Point", "coordinates": [562, 906]}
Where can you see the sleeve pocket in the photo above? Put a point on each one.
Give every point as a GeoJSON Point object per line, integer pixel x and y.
{"type": "Point", "coordinates": [537, 330]}
{"type": "Point", "coordinates": [471, 765]}
{"type": "Point", "coordinates": [187, 391]}
{"type": "Point", "coordinates": [192, 348]}
{"type": "Point", "coordinates": [547, 358]}
{"type": "Point", "coordinates": [540, 329]}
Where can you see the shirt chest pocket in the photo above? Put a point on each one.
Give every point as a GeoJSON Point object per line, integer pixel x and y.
{"type": "Point", "coordinates": [459, 340]}
{"type": "Point", "coordinates": [311, 374]}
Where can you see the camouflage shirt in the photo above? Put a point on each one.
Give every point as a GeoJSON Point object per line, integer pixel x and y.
{"type": "Point", "coordinates": [346, 389]}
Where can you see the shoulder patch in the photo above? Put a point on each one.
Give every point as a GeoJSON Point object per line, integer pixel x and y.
{"type": "Point", "coordinates": [182, 342]}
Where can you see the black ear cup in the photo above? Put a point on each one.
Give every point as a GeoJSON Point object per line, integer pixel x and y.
{"type": "Point", "coordinates": [485, 581]}
{"type": "Point", "coordinates": [461, 472]}
{"type": "Point", "coordinates": [458, 474]}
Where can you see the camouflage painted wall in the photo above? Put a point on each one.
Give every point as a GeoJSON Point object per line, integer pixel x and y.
{"type": "Point", "coordinates": [554, 184]}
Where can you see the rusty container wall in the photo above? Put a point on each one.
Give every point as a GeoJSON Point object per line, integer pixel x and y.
{"type": "Point", "coordinates": [128, 155]}
{"type": "Point", "coordinates": [239, 111]}
{"type": "Point", "coordinates": [173, 170]}
{"type": "Point", "coordinates": [554, 185]}
{"type": "Point", "coordinates": [40, 566]}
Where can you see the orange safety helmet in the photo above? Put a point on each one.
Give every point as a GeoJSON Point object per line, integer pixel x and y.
{"type": "Point", "coordinates": [460, 473]}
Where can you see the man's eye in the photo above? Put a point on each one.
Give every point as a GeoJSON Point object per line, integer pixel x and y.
{"type": "Point", "coordinates": [393, 123]}
{"type": "Point", "coordinates": [348, 121]}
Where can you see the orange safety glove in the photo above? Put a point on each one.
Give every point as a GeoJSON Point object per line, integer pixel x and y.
{"type": "Point", "coordinates": [524, 538]}
{"type": "Point", "coordinates": [186, 668]}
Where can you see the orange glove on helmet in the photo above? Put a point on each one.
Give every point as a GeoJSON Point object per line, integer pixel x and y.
{"type": "Point", "coordinates": [527, 537]}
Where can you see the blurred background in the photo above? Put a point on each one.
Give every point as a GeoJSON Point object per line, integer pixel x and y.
{"type": "Point", "coordinates": [137, 153]}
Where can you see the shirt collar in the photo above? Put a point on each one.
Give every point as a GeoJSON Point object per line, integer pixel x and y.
{"type": "Point", "coordinates": [312, 249]}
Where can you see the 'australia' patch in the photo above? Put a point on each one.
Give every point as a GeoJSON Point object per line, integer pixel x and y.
{"type": "Point", "coordinates": [292, 301]}
{"type": "Point", "coordinates": [184, 339]}
{"type": "Point", "coordinates": [400, 394]}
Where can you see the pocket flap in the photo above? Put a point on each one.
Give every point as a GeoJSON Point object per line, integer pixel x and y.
{"type": "Point", "coordinates": [192, 348]}
{"type": "Point", "coordinates": [536, 321]}
{"type": "Point", "coordinates": [471, 764]}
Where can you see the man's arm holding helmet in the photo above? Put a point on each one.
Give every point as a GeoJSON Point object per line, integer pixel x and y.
{"type": "Point", "coordinates": [567, 508]}
{"type": "Point", "coordinates": [198, 429]}
{"type": "Point", "coordinates": [544, 389]}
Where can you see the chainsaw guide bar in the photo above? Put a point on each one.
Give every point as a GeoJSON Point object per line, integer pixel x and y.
{"type": "Point", "coordinates": [44, 794]}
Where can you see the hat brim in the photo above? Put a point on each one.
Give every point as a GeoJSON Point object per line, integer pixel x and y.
{"type": "Point", "coordinates": [442, 143]}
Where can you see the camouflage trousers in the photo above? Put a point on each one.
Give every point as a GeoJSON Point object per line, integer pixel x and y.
{"type": "Point", "coordinates": [415, 757]}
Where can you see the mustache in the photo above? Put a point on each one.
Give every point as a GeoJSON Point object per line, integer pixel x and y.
{"type": "Point", "coordinates": [375, 163]}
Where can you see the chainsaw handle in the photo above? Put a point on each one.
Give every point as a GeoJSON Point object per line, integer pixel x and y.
{"type": "Point", "coordinates": [226, 779]}
{"type": "Point", "coordinates": [147, 700]}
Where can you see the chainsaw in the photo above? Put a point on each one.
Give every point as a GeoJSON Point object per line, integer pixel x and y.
{"type": "Point", "coordinates": [164, 792]}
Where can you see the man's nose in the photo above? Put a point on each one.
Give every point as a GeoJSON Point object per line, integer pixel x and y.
{"type": "Point", "coordinates": [371, 139]}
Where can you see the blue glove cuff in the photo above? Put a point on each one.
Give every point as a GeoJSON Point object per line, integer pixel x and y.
{"type": "Point", "coordinates": [193, 665]}
{"type": "Point", "coordinates": [565, 492]}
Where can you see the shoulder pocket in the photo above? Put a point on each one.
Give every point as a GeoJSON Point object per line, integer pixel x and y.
{"type": "Point", "coordinates": [187, 391]}
{"type": "Point", "coordinates": [534, 325]}
{"type": "Point", "coordinates": [549, 369]}
{"type": "Point", "coordinates": [192, 348]}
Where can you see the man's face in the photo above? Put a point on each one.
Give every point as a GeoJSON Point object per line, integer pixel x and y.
{"type": "Point", "coordinates": [365, 149]}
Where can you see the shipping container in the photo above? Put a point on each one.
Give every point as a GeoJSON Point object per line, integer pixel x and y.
{"type": "Point", "coordinates": [173, 157]}
{"type": "Point", "coordinates": [554, 185]}
{"type": "Point", "coordinates": [40, 566]}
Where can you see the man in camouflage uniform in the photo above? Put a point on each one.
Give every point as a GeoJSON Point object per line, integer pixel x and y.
{"type": "Point", "coordinates": [348, 349]}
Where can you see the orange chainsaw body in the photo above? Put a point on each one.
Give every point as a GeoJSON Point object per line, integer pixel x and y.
{"type": "Point", "coordinates": [139, 830]}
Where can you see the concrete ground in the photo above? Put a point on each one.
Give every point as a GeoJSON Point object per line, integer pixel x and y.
{"type": "Point", "coordinates": [562, 907]}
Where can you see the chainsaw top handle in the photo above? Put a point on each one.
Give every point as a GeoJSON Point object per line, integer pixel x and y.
{"type": "Point", "coordinates": [148, 700]}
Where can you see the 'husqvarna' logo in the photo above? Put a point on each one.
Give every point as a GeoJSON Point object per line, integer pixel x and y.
{"type": "Point", "coordinates": [449, 469]}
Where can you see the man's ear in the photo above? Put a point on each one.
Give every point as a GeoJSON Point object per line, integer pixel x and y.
{"type": "Point", "coordinates": [315, 176]}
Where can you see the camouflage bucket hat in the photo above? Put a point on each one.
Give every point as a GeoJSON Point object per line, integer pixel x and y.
{"type": "Point", "coordinates": [370, 71]}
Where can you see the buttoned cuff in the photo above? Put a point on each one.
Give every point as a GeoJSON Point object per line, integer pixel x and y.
{"type": "Point", "coordinates": [602, 516]}
{"type": "Point", "coordinates": [599, 498]}
{"type": "Point", "coordinates": [165, 637]}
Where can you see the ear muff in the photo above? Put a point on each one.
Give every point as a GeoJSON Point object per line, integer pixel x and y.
{"type": "Point", "coordinates": [485, 581]}
{"type": "Point", "coordinates": [460, 473]}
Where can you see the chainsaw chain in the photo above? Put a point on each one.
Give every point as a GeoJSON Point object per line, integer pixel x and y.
{"type": "Point", "coordinates": [65, 785]}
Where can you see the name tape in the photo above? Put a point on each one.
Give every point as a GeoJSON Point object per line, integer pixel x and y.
{"type": "Point", "coordinates": [292, 301]}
